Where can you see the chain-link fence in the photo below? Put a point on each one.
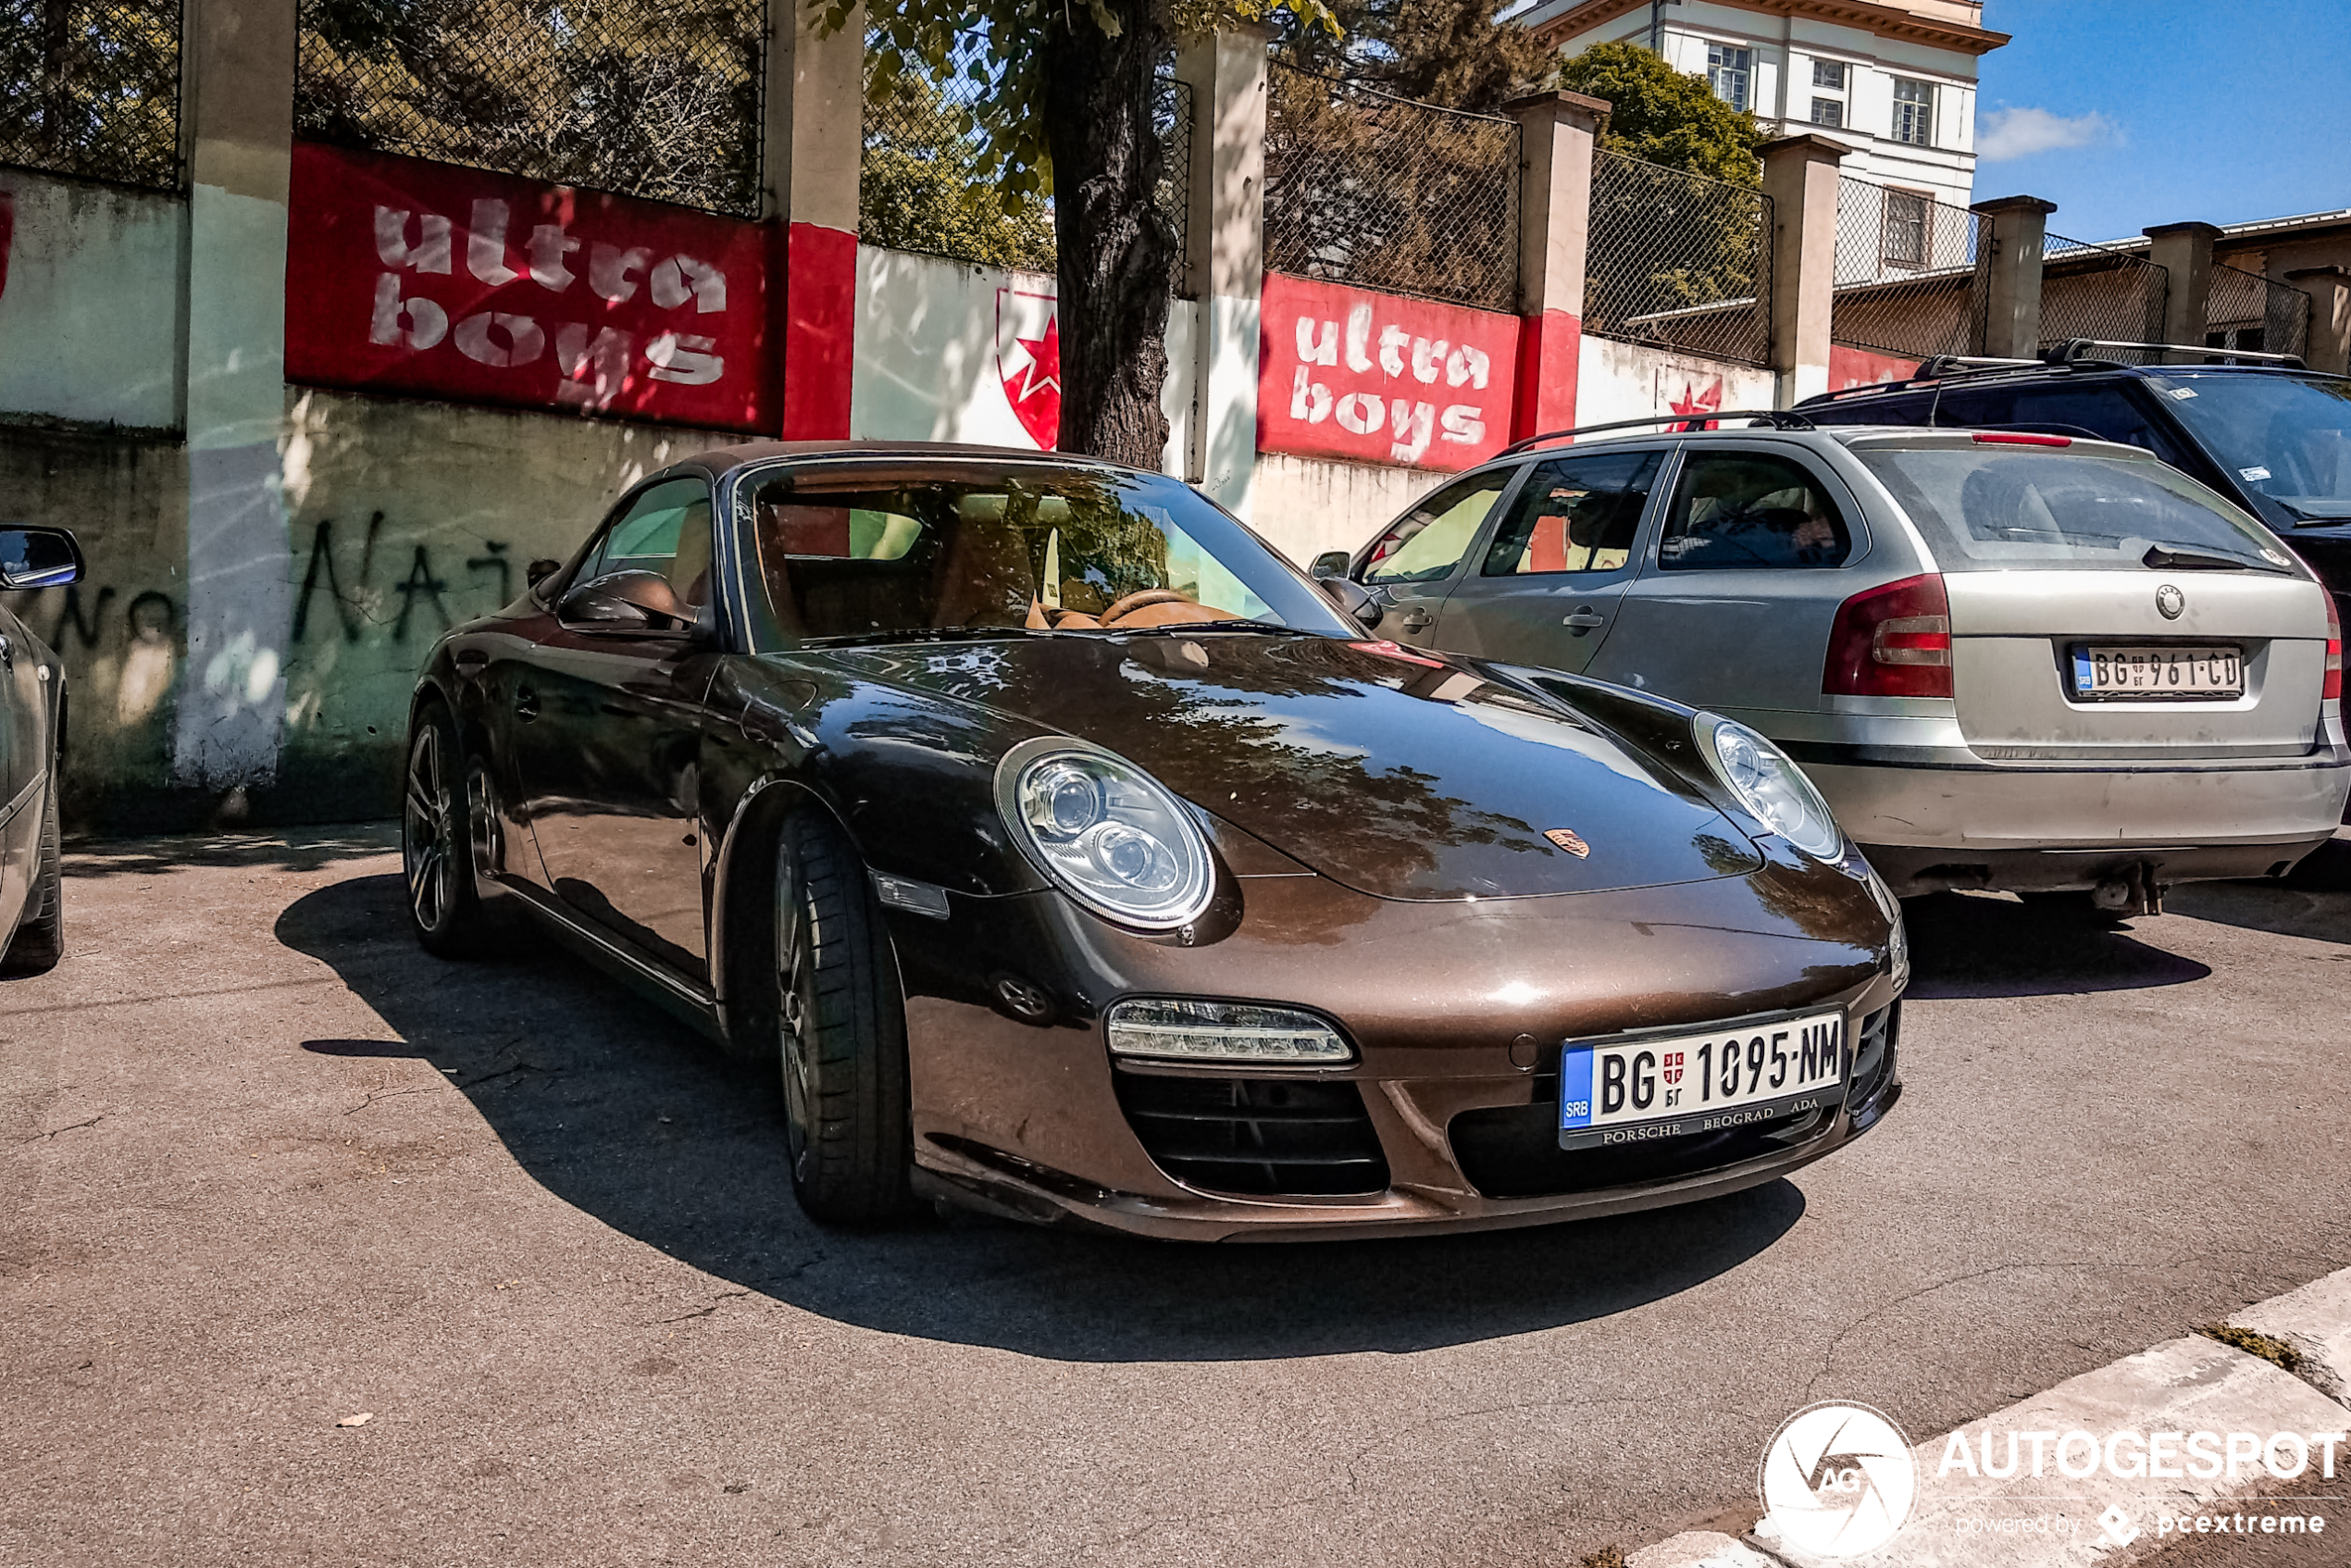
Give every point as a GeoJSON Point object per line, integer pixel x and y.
{"type": "Point", "coordinates": [1384, 193]}
{"type": "Point", "coordinates": [655, 98]}
{"type": "Point", "coordinates": [92, 88]}
{"type": "Point", "coordinates": [1908, 276]}
{"type": "Point", "coordinates": [2097, 292]}
{"type": "Point", "coordinates": [1678, 260]}
{"type": "Point", "coordinates": [2245, 310]}
{"type": "Point", "coordinates": [929, 184]}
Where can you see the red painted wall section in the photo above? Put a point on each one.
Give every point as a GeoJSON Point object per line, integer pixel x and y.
{"type": "Point", "coordinates": [1550, 347]}
{"type": "Point", "coordinates": [820, 333]}
{"type": "Point", "coordinates": [1860, 368]}
{"type": "Point", "coordinates": [1377, 378]}
{"type": "Point", "coordinates": [404, 275]}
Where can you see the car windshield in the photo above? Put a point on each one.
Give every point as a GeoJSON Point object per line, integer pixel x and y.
{"type": "Point", "coordinates": [2287, 439]}
{"type": "Point", "coordinates": [1993, 508]}
{"type": "Point", "coordinates": [887, 551]}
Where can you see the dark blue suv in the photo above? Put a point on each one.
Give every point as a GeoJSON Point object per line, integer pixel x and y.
{"type": "Point", "coordinates": [2274, 439]}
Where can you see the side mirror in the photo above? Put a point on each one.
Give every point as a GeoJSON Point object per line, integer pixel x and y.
{"type": "Point", "coordinates": [1352, 598]}
{"type": "Point", "coordinates": [33, 557]}
{"type": "Point", "coordinates": [627, 603]}
{"type": "Point", "coordinates": [1329, 564]}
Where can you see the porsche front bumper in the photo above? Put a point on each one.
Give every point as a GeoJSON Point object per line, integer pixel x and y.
{"type": "Point", "coordinates": [1457, 1012]}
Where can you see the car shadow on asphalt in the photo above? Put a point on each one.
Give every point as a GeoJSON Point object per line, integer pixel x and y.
{"type": "Point", "coordinates": [636, 1120]}
{"type": "Point", "coordinates": [298, 849]}
{"type": "Point", "coordinates": [1985, 945]}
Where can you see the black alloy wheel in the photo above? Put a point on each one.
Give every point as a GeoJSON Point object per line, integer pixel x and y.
{"type": "Point", "coordinates": [40, 942]}
{"type": "Point", "coordinates": [436, 840]}
{"type": "Point", "coordinates": [840, 1032]}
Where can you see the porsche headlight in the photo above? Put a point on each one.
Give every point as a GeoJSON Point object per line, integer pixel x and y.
{"type": "Point", "coordinates": [1770, 786]}
{"type": "Point", "coordinates": [1106, 833]}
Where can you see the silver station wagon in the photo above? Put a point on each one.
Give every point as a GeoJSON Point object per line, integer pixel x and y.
{"type": "Point", "coordinates": [2008, 659]}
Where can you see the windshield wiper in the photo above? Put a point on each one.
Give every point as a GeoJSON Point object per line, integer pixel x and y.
{"type": "Point", "coordinates": [2162, 558]}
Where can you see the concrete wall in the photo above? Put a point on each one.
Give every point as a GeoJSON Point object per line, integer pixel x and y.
{"type": "Point", "coordinates": [940, 354]}
{"type": "Point", "coordinates": [403, 519]}
{"type": "Point", "coordinates": [1305, 505]}
{"type": "Point", "coordinates": [91, 323]}
{"type": "Point", "coordinates": [1622, 380]}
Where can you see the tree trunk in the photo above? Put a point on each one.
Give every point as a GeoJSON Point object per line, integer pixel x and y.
{"type": "Point", "coordinates": [1115, 253]}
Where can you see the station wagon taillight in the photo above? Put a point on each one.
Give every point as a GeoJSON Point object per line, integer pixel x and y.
{"type": "Point", "coordinates": [2330, 686]}
{"type": "Point", "coordinates": [1891, 642]}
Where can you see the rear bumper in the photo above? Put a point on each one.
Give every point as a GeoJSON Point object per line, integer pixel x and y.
{"type": "Point", "coordinates": [1928, 826]}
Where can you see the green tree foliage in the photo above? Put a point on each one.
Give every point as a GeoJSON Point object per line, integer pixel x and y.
{"type": "Point", "coordinates": [1450, 51]}
{"type": "Point", "coordinates": [91, 89]}
{"type": "Point", "coordinates": [655, 98]}
{"type": "Point", "coordinates": [1676, 227]}
{"type": "Point", "coordinates": [922, 189]}
{"type": "Point", "coordinates": [1663, 115]}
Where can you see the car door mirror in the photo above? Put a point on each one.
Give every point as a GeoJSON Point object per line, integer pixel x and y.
{"type": "Point", "coordinates": [1329, 564]}
{"type": "Point", "coordinates": [1352, 598]}
{"type": "Point", "coordinates": [31, 557]}
{"type": "Point", "coordinates": [629, 602]}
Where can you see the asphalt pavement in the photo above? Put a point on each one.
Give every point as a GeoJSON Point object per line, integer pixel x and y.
{"type": "Point", "coordinates": [267, 1168]}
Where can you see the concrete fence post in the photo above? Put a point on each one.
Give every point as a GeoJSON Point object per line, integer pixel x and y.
{"type": "Point", "coordinates": [2185, 251]}
{"type": "Point", "coordinates": [2330, 291]}
{"type": "Point", "coordinates": [813, 146]}
{"type": "Point", "coordinates": [1556, 134]}
{"type": "Point", "coordinates": [1224, 231]}
{"type": "Point", "coordinates": [237, 131]}
{"type": "Point", "coordinates": [2013, 242]}
{"type": "Point", "coordinates": [1800, 175]}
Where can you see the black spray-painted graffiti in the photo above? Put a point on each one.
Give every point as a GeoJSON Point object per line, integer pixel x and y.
{"type": "Point", "coordinates": [146, 618]}
{"type": "Point", "coordinates": [355, 607]}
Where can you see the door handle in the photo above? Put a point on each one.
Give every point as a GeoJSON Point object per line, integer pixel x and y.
{"type": "Point", "coordinates": [1416, 619]}
{"type": "Point", "coordinates": [1584, 620]}
{"type": "Point", "coordinates": [526, 705]}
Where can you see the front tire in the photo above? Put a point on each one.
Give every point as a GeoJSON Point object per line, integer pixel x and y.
{"type": "Point", "coordinates": [40, 942]}
{"type": "Point", "coordinates": [840, 1028]}
{"type": "Point", "coordinates": [437, 840]}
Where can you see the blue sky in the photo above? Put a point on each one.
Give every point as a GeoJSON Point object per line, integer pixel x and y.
{"type": "Point", "coordinates": [2132, 112]}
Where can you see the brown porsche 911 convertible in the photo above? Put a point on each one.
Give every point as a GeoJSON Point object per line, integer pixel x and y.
{"type": "Point", "coordinates": [1074, 857]}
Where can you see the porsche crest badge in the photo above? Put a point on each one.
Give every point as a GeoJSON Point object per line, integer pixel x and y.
{"type": "Point", "coordinates": [1568, 840]}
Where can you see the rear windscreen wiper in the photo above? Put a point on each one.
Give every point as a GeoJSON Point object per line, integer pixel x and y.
{"type": "Point", "coordinates": [2163, 559]}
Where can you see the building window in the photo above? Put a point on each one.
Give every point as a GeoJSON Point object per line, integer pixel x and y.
{"type": "Point", "coordinates": [1906, 228]}
{"type": "Point", "coordinates": [1728, 72]}
{"type": "Point", "coordinates": [1913, 112]}
{"type": "Point", "coordinates": [1829, 112]}
{"type": "Point", "coordinates": [1829, 73]}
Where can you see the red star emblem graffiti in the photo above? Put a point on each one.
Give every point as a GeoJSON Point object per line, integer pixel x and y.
{"type": "Point", "coordinates": [1694, 402]}
{"type": "Point", "coordinates": [1029, 361]}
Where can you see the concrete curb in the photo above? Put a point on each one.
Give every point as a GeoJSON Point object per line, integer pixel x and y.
{"type": "Point", "coordinates": [2188, 1384]}
{"type": "Point", "coordinates": [2315, 1320]}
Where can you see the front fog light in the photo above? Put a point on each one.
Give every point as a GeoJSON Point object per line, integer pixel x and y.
{"type": "Point", "coordinates": [1225, 1031]}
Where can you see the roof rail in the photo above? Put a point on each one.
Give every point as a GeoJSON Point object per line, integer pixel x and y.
{"type": "Point", "coordinates": [1940, 367]}
{"type": "Point", "coordinates": [1778, 419]}
{"type": "Point", "coordinates": [2070, 352]}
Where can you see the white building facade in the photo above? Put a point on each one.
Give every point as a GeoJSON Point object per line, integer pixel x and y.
{"type": "Point", "coordinates": [1897, 82]}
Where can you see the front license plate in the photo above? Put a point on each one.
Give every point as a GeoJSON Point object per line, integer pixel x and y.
{"type": "Point", "coordinates": [2100, 672]}
{"type": "Point", "coordinates": [1632, 1091]}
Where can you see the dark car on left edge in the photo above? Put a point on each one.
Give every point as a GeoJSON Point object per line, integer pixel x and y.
{"type": "Point", "coordinates": [1068, 854]}
{"type": "Point", "coordinates": [32, 721]}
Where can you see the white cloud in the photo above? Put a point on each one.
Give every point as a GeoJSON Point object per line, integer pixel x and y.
{"type": "Point", "coordinates": [2003, 134]}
